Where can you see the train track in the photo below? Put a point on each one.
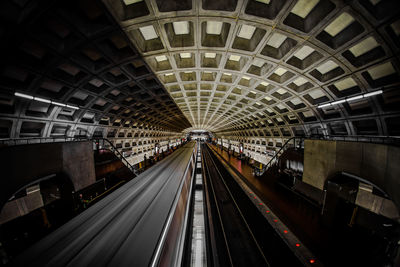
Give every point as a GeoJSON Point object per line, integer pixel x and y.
{"type": "Point", "coordinates": [239, 234]}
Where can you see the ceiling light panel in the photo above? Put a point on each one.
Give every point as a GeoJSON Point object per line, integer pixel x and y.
{"type": "Point", "coordinates": [181, 27]}
{"type": "Point", "coordinates": [214, 27]}
{"type": "Point", "coordinates": [304, 52]}
{"type": "Point", "coordinates": [382, 70]}
{"type": "Point", "coordinates": [308, 114]}
{"type": "Point", "coordinates": [161, 58]}
{"type": "Point", "coordinates": [264, 1]}
{"type": "Point", "coordinates": [296, 101]}
{"type": "Point", "coordinates": [210, 55]}
{"type": "Point", "coordinates": [364, 46]}
{"type": "Point", "coordinates": [234, 58]}
{"type": "Point", "coordinates": [339, 24]}
{"type": "Point", "coordinates": [246, 31]}
{"type": "Point", "coordinates": [185, 55]}
{"type": "Point", "coordinates": [281, 91]}
{"type": "Point", "coordinates": [276, 40]}
{"type": "Point", "coordinates": [148, 32]}
{"type": "Point", "coordinates": [317, 93]}
{"type": "Point", "coordinates": [130, 2]}
{"type": "Point", "coordinates": [300, 81]}
{"type": "Point", "coordinates": [345, 84]}
{"type": "Point", "coordinates": [280, 71]}
{"type": "Point", "coordinates": [327, 67]}
{"type": "Point", "coordinates": [304, 7]}
{"type": "Point", "coordinates": [258, 63]}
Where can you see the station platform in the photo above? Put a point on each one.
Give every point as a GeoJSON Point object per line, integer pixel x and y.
{"type": "Point", "coordinates": [299, 215]}
{"type": "Point", "coordinates": [302, 217]}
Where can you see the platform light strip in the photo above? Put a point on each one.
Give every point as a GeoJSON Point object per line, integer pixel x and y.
{"type": "Point", "coordinates": [350, 99]}
{"type": "Point", "coordinates": [39, 99]}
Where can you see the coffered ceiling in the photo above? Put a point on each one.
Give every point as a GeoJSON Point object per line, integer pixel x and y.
{"type": "Point", "coordinates": [235, 65]}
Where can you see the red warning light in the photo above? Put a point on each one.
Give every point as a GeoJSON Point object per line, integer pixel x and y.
{"type": "Point", "coordinates": [297, 245]}
{"type": "Point", "coordinates": [267, 211]}
{"type": "Point", "coordinates": [285, 231]}
{"type": "Point", "coordinates": [260, 203]}
{"type": "Point", "coordinates": [312, 261]}
{"type": "Point", "coordinates": [275, 220]}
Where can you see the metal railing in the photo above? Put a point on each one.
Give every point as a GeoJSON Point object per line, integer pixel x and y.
{"type": "Point", "coordinates": [101, 142]}
{"type": "Point", "coordinates": [296, 142]}
{"type": "Point", "coordinates": [299, 142]}
{"type": "Point", "coordinates": [41, 140]}
{"type": "Point", "coordinates": [388, 140]}
{"type": "Point", "coordinates": [107, 144]}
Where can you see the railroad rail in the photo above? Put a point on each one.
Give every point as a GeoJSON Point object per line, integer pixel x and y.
{"type": "Point", "coordinates": [241, 235]}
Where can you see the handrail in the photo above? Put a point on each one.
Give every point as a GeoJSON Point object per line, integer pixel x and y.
{"type": "Point", "coordinates": [259, 172]}
{"type": "Point", "coordinates": [41, 140]}
{"type": "Point", "coordinates": [384, 139]}
{"type": "Point", "coordinates": [393, 140]}
{"type": "Point", "coordinates": [44, 140]}
{"type": "Point", "coordinates": [117, 153]}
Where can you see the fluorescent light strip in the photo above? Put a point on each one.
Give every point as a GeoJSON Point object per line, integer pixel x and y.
{"type": "Point", "coordinates": [39, 99]}
{"type": "Point", "coordinates": [73, 107]}
{"type": "Point", "coordinates": [24, 96]}
{"type": "Point", "coordinates": [58, 104]}
{"type": "Point", "coordinates": [373, 93]}
{"type": "Point", "coordinates": [378, 92]}
{"type": "Point", "coordinates": [355, 98]}
{"type": "Point", "coordinates": [338, 102]}
{"type": "Point", "coordinates": [42, 100]}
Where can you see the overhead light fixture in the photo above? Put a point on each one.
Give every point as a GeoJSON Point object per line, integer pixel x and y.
{"type": "Point", "coordinates": [185, 55]}
{"type": "Point", "coordinates": [161, 58]}
{"type": "Point", "coordinates": [73, 107]}
{"type": "Point", "coordinates": [210, 55]}
{"type": "Point", "coordinates": [234, 58]}
{"type": "Point", "coordinates": [350, 99]}
{"type": "Point", "coordinates": [24, 96]}
{"type": "Point", "coordinates": [373, 93]}
{"type": "Point", "coordinates": [58, 104]}
{"type": "Point", "coordinates": [148, 32]}
{"type": "Point", "coordinates": [43, 100]}
{"type": "Point", "coordinates": [324, 105]}
{"type": "Point", "coordinates": [181, 27]}
{"type": "Point", "coordinates": [246, 31]}
{"type": "Point", "coordinates": [214, 27]}
{"type": "Point", "coordinates": [338, 102]}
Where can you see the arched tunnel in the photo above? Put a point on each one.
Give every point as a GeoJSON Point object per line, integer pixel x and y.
{"type": "Point", "coordinates": [300, 98]}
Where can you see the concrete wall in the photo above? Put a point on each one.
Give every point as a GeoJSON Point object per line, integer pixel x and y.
{"type": "Point", "coordinates": [21, 206]}
{"type": "Point", "coordinates": [376, 204]}
{"type": "Point", "coordinates": [21, 165]}
{"type": "Point", "coordinates": [376, 163]}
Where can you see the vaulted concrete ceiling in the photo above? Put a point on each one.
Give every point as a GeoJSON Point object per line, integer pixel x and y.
{"type": "Point", "coordinates": [237, 67]}
{"type": "Point", "coordinates": [266, 64]}
{"type": "Point", "coordinates": [74, 53]}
